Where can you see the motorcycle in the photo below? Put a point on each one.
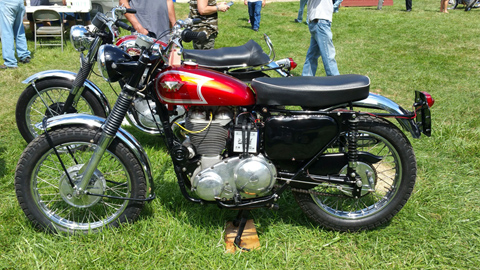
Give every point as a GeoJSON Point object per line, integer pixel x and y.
{"type": "Point", "coordinates": [56, 92]}
{"type": "Point", "coordinates": [239, 147]}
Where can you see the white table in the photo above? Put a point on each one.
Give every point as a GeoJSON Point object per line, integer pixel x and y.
{"type": "Point", "coordinates": [81, 6]}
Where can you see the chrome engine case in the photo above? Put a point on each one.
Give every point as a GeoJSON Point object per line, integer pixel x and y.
{"type": "Point", "coordinates": [145, 116]}
{"type": "Point", "coordinates": [250, 177]}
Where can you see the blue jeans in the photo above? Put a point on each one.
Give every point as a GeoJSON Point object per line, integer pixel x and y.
{"type": "Point", "coordinates": [11, 22]}
{"type": "Point", "coordinates": [254, 9]}
{"type": "Point", "coordinates": [303, 3]}
{"type": "Point", "coordinates": [336, 5]}
{"type": "Point", "coordinates": [321, 44]}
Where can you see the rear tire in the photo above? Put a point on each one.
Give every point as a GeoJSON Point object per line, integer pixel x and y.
{"type": "Point", "coordinates": [31, 108]}
{"type": "Point", "coordinates": [384, 192]}
{"type": "Point", "coordinates": [47, 198]}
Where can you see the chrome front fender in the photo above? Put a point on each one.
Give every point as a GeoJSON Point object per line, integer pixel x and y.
{"type": "Point", "coordinates": [68, 75]}
{"type": "Point", "coordinates": [96, 122]}
{"type": "Point", "coordinates": [375, 101]}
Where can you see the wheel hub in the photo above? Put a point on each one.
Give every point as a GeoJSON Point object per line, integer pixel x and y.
{"type": "Point", "coordinates": [368, 176]}
{"type": "Point", "coordinates": [96, 185]}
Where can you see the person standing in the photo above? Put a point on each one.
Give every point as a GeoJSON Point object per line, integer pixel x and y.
{"type": "Point", "coordinates": [207, 11]}
{"type": "Point", "coordinates": [408, 4]}
{"type": "Point", "coordinates": [153, 17]}
{"type": "Point", "coordinates": [299, 18]}
{"type": "Point", "coordinates": [13, 33]}
{"type": "Point", "coordinates": [72, 17]}
{"type": "Point", "coordinates": [443, 6]}
{"type": "Point", "coordinates": [336, 5]}
{"type": "Point", "coordinates": [254, 11]}
{"type": "Point", "coordinates": [319, 17]}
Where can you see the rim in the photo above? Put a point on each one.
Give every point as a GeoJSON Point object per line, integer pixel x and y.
{"type": "Point", "coordinates": [52, 192]}
{"type": "Point", "coordinates": [36, 109]}
{"type": "Point", "coordinates": [382, 180]}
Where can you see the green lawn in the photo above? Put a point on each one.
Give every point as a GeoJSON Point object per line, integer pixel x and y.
{"type": "Point", "coordinates": [401, 52]}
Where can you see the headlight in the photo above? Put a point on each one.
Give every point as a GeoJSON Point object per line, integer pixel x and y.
{"type": "Point", "coordinates": [109, 60]}
{"type": "Point", "coordinates": [79, 38]}
{"type": "Point", "coordinates": [102, 64]}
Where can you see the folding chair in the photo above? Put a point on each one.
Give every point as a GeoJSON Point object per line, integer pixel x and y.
{"type": "Point", "coordinates": [44, 15]}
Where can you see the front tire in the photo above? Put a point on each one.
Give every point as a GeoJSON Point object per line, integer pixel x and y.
{"type": "Point", "coordinates": [387, 184]}
{"type": "Point", "coordinates": [32, 107]}
{"type": "Point", "coordinates": [47, 198]}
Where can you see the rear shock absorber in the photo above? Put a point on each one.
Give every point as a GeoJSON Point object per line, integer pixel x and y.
{"type": "Point", "coordinates": [353, 155]}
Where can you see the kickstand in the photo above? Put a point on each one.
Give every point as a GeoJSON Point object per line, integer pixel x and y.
{"type": "Point", "coordinates": [240, 222]}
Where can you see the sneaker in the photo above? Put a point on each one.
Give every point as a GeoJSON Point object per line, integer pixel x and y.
{"type": "Point", "coordinates": [297, 21]}
{"type": "Point", "coordinates": [255, 29]}
{"type": "Point", "coordinates": [25, 60]}
{"type": "Point", "coordinates": [5, 67]}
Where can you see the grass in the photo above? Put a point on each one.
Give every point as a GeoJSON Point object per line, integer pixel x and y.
{"type": "Point", "coordinates": [401, 52]}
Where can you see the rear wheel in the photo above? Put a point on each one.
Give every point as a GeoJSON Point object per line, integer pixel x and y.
{"type": "Point", "coordinates": [387, 184]}
{"type": "Point", "coordinates": [33, 106]}
{"type": "Point", "coordinates": [45, 193]}
{"type": "Point", "coordinates": [470, 4]}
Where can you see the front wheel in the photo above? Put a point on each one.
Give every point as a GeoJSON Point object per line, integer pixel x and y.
{"type": "Point", "coordinates": [388, 182]}
{"type": "Point", "coordinates": [44, 190]}
{"type": "Point", "coordinates": [46, 99]}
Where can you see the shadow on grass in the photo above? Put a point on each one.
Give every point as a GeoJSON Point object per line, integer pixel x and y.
{"type": "Point", "coordinates": [170, 199]}
{"type": "Point", "coordinates": [3, 168]}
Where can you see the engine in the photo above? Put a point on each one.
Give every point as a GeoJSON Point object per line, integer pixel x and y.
{"type": "Point", "coordinates": [146, 113]}
{"type": "Point", "coordinates": [222, 176]}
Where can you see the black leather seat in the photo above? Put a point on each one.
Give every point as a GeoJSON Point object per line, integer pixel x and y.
{"type": "Point", "coordinates": [249, 54]}
{"type": "Point", "coordinates": [314, 92]}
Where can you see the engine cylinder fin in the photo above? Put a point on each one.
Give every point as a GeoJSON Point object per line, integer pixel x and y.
{"type": "Point", "coordinates": [209, 142]}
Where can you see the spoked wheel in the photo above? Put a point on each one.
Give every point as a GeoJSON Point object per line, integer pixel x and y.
{"type": "Point", "coordinates": [470, 4]}
{"type": "Point", "coordinates": [387, 182]}
{"type": "Point", "coordinates": [33, 106]}
{"type": "Point", "coordinates": [44, 188]}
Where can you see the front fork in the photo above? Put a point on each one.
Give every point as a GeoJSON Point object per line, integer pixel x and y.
{"type": "Point", "coordinates": [112, 124]}
{"type": "Point", "coordinates": [82, 75]}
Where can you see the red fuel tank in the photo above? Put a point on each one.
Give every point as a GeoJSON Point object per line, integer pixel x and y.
{"type": "Point", "coordinates": [191, 85]}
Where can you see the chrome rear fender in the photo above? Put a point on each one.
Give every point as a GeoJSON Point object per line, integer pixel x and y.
{"type": "Point", "coordinates": [96, 122]}
{"type": "Point", "coordinates": [68, 75]}
{"type": "Point", "coordinates": [375, 101]}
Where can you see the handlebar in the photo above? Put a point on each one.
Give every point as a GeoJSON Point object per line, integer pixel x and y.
{"type": "Point", "coordinates": [188, 35]}
{"type": "Point", "coordinates": [124, 25]}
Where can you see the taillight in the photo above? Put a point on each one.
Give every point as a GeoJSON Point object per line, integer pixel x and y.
{"type": "Point", "coordinates": [293, 65]}
{"type": "Point", "coordinates": [429, 98]}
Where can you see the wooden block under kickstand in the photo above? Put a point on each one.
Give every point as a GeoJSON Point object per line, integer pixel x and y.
{"type": "Point", "coordinates": [249, 237]}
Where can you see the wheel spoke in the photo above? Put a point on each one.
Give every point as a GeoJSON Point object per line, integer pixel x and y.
{"type": "Point", "coordinates": [85, 212]}
{"type": "Point", "coordinates": [49, 100]}
{"type": "Point", "coordinates": [343, 205]}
